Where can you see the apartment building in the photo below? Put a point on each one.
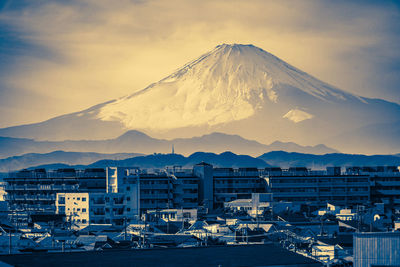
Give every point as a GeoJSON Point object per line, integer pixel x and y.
{"type": "Point", "coordinates": [118, 205]}
{"type": "Point", "coordinates": [385, 182]}
{"type": "Point", "coordinates": [130, 192]}
{"type": "Point", "coordinates": [185, 188]}
{"type": "Point", "coordinates": [34, 191]}
{"type": "Point", "coordinates": [82, 209]}
{"type": "Point", "coordinates": [302, 185]}
{"type": "Point", "coordinates": [140, 190]}
{"type": "Point", "coordinates": [231, 184]}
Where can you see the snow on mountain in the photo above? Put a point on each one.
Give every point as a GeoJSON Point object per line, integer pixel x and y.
{"type": "Point", "coordinates": [297, 115]}
{"type": "Point", "coordinates": [229, 83]}
{"type": "Point", "coordinates": [236, 90]}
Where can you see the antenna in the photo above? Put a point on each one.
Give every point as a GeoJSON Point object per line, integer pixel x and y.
{"type": "Point", "coordinates": [173, 150]}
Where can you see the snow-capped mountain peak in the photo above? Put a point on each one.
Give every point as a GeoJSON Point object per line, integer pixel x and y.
{"type": "Point", "coordinates": [227, 84]}
{"type": "Point", "coordinates": [239, 90]}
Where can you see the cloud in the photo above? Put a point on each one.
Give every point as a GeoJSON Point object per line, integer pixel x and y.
{"type": "Point", "coordinates": [74, 54]}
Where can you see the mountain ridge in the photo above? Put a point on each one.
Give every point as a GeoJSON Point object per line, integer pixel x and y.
{"type": "Point", "coordinates": [228, 159]}
{"type": "Point", "coordinates": [135, 141]}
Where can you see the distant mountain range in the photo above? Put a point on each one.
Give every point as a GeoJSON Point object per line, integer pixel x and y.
{"type": "Point", "coordinates": [137, 142]}
{"type": "Point", "coordinates": [226, 159]}
{"type": "Point", "coordinates": [70, 158]}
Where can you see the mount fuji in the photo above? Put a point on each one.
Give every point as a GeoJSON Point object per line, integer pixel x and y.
{"type": "Point", "coordinates": [239, 90]}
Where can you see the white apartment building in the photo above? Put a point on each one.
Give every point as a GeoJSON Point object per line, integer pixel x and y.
{"type": "Point", "coordinates": [119, 205]}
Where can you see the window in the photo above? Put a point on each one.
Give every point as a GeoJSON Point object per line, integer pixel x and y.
{"type": "Point", "coordinates": [128, 188]}
{"type": "Point", "coordinates": [128, 198]}
{"type": "Point", "coordinates": [83, 210]}
{"type": "Point", "coordinates": [78, 198]}
{"type": "Point", "coordinates": [78, 209]}
{"type": "Point", "coordinates": [128, 209]}
{"type": "Point", "coordinates": [84, 199]}
{"type": "Point", "coordinates": [83, 220]}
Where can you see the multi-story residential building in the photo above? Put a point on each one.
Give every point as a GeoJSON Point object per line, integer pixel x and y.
{"type": "Point", "coordinates": [231, 184]}
{"type": "Point", "coordinates": [128, 193]}
{"type": "Point", "coordinates": [203, 186]}
{"type": "Point", "coordinates": [33, 191]}
{"type": "Point", "coordinates": [82, 209]}
{"type": "Point", "coordinates": [297, 185]}
{"type": "Point", "coordinates": [118, 205]}
{"type": "Point", "coordinates": [385, 182]}
{"type": "Point", "coordinates": [185, 189]}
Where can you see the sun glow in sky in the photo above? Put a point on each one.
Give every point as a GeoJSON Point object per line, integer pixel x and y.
{"type": "Point", "coordinates": [58, 57]}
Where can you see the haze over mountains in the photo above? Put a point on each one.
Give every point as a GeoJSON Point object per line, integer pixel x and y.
{"type": "Point", "coordinates": [226, 159]}
{"type": "Point", "coordinates": [70, 158]}
{"type": "Point", "coordinates": [134, 141]}
{"type": "Point", "coordinates": [237, 90]}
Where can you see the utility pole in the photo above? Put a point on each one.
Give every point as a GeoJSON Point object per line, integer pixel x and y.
{"type": "Point", "coordinates": [247, 235]}
{"type": "Point", "coordinates": [258, 224]}
{"type": "Point", "coordinates": [144, 233]}
{"type": "Point", "coordinates": [124, 228]}
{"type": "Point", "coordinates": [52, 234]}
{"type": "Point", "coordinates": [9, 241]}
{"type": "Point", "coordinates": [168, 222]}
{"type": "Point", "coordinates": [183, 223]}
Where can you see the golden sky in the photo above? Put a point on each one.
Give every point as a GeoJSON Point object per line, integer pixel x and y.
{"type": "Point", "coordinates": [58, 57]}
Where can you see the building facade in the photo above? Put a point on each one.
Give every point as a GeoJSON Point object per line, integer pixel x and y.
{"type": "Point", "coordinates": [231, 184]}
{"type": "Point", "coordinates": [385, 183]}
{"type": "Point", "coordinates": [35, 191]}
{"type": "Point", "coordinates": [300, 185]}
{"type": "Point", "coordinates": [376, 249]}
{"type": "Point", "coordinates": [140, 190]}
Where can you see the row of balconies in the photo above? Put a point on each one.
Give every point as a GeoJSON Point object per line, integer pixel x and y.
{"type": "Point", "coordinates": [388, 192]}
{"type": "Point", "coordinates": [239, 185]}
{"type": "Point", "coordinates": [333, 193]}
{"type": "Point", "coordinates": [156, 196]}
{"type": "Point", "coordinates": [317, 185]}
{"type": "Point", "coordinates": [40, 187]}
{"type": "Point", "coordinates": [155, 186]}
{"type": "Point", "coordinates": [388, 183]}
{"type": "Point", "coordinates": [154, 205]}
{"type": "Point", "coordinates": [188, 186]}
{"type": "Point", "coordinates": [189, 195]}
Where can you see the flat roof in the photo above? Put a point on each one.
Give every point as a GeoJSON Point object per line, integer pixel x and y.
{"type": "Point", "coordinates": [247, 255]}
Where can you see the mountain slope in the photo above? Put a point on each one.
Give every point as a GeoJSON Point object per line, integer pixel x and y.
{"type": "Point", "coordinates": [234, 89]}
{"type": "Point", "coordinates": [134, 141]}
